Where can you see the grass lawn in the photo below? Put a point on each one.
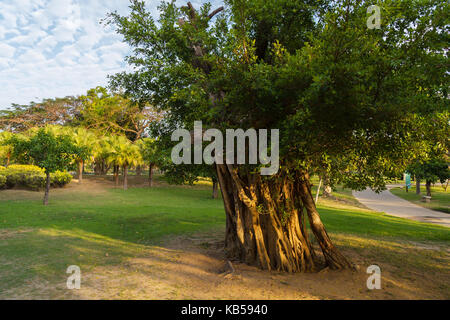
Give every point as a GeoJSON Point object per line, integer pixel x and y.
{"type": "Point", "coordinates": [102, 229]}
{"type": "Point", "coordinates": [440, 199]}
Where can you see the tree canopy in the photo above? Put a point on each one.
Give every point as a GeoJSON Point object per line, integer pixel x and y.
{"type": "Point", "coordinates": [339, 92]}
{"type": "Point", "coordinates": [45, 150]}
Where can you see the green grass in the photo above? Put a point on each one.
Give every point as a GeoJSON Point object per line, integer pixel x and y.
{"type": "Point", "coordinates": [94, 229]}
{"type": "Point", "coordinates": [139, 215]}
{"type": "Point", "coordinates": [440, 199]}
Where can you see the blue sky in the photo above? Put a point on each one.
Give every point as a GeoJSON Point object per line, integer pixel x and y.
{"type": "Point", "coordinates": [55, 48]}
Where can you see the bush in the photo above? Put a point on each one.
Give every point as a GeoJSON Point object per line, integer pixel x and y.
{"type": "Point", "coordinates": [2, 180]}
{"type": "Point", "coordinates": [32, 177]}
{"type": "Point", "coordinates": [60, 178]}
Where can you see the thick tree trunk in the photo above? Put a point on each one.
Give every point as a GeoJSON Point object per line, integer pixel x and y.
{"type": "Point", "coordinates": [215, 190]}
{"type": "Point", "coordinates": [125, 177]}
{"type": "Point", "coordinates": [80, 171]}
{"type": "Point", "coordinates": [47, 188]}
{"type": "Point", "coordinates": [428, 186]}
{"type": "Point", "coordinates": [266, 223]}
{"type": "Point", "coordinates": [150, 175]}
{"type": "Point", "coordinates": [417, 185]}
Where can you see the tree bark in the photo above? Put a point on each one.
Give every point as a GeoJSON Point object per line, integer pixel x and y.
{"type": "Point", "coordinates": [80, 171]}
{"type": "Point", "coordinates": [97, 168]}
{"type": "Point", "coordinates": [417, 185]}
{"type": "Point", "coordinates": [47, 187]}
{"type": "Point", "coordinates": [150, 175]}
{"type": "Point", "coordinates": [138, 170]}
{"type": "Point", "coordinates": [116, 175]}
{"type": "Point", "coordinates": [428, 186]}
{"type": "Point", "coordinates": [125, 177]}
{"type": "Point", "coordinates": [266, 223]}
{"type": "Point", "coordinates": [215, 190]}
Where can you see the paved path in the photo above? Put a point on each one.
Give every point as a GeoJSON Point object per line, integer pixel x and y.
{"type": "Point", "coordinates": [395, 206]}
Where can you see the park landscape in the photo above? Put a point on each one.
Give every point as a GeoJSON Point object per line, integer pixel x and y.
{"type": "Point", "coordinates": [89, 180]}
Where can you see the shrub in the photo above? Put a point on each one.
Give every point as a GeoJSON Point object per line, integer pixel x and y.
{"type": "Point", "coordinates": [2, 181]}
{"type": "Point", "coordinates": [60, 178]}
{"type": "Point", "coordinates": [32, 177]}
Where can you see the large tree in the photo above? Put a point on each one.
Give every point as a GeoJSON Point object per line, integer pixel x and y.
{"type": "Point", "coordinates": [58, 111]}
{"type": "Point", "coordinates": [112, 113]}
{"type": "Point", "coordinates": [312, 69]}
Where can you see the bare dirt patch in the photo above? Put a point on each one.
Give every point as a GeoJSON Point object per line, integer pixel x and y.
{"type": "Point", "coordinates": [9, 233]}
{"type": "Point", "coordinates": [196, 268]}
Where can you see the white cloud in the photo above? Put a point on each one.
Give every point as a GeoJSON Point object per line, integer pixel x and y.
{"type": "Point", "coordinates": [46, 44]}
{"type": "Point", "coordinates": [31, 57]}
{"type": "Point", "coordinates": [6, 50]}
{"type": "Point", "coordinates": [56, 48]}
{"type": "Point", "coordinates": [4, 63]}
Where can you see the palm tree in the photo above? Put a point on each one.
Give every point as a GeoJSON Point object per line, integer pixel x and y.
{"type": "Point", "coordinates": [86, 140]}
{"type": "Point", "coordinates": [109, 151]}
{"type": "Point", "coordinates": [125, 154]}
{"type": "Point", "coordinates": [150, 154]}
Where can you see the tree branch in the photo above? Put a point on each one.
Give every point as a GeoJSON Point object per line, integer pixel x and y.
{"type": "Point", "coordinates": [212, 14]}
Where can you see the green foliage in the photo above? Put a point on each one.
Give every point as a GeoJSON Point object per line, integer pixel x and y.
{"type": "Point", "coordinates": [152, 151]}
{"type": "Point", "coordinates": [46, 150]}
{"type": "Point", "coordinates": [122, 152]}
{"type": "Point", "coordinates": [433, 170]}
{"type": "Point", "coordinates": [31, 177]}
{"type": "Point", "coordinates": [333, 87]}
{"type": "Point", "coordinates": [60, 178]}
{"type": "Point", "coordinates": [113, 113]}
{"type": "Point", "coordinates": [2, 181]}
{"type": "Point", "coordinates": [85, 140]}
{"type": "Point", "coordinates": [6, 148]}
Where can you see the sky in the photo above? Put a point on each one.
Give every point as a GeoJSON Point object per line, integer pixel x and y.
{"type": "Point", "coordinates": [57, 48]}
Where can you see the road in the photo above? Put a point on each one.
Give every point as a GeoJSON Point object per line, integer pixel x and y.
{"type": "Point", "coordinates": [392, 205]}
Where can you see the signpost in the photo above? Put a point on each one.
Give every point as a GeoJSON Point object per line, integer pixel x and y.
{"type": "Point", "coordinates": [407, 181]}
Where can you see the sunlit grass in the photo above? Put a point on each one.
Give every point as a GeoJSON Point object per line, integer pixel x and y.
{"type": "Point", "coordinates": [100, 229]}
{"type": "Point", "coordinates": [440, 199]}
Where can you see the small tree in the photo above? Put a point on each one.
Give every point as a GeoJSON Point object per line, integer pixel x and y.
{"type": "Point", "coordinates": [151, 154]}
{"type": "Point", "coordinates": [433, 170]}
{"type": "Point", "coordinates": [47, 151]}
{"type": "Point", "coordinates": [85, 140]}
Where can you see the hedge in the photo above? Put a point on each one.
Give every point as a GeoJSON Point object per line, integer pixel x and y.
{"type": "Point", "coordinates": [30, 177]}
